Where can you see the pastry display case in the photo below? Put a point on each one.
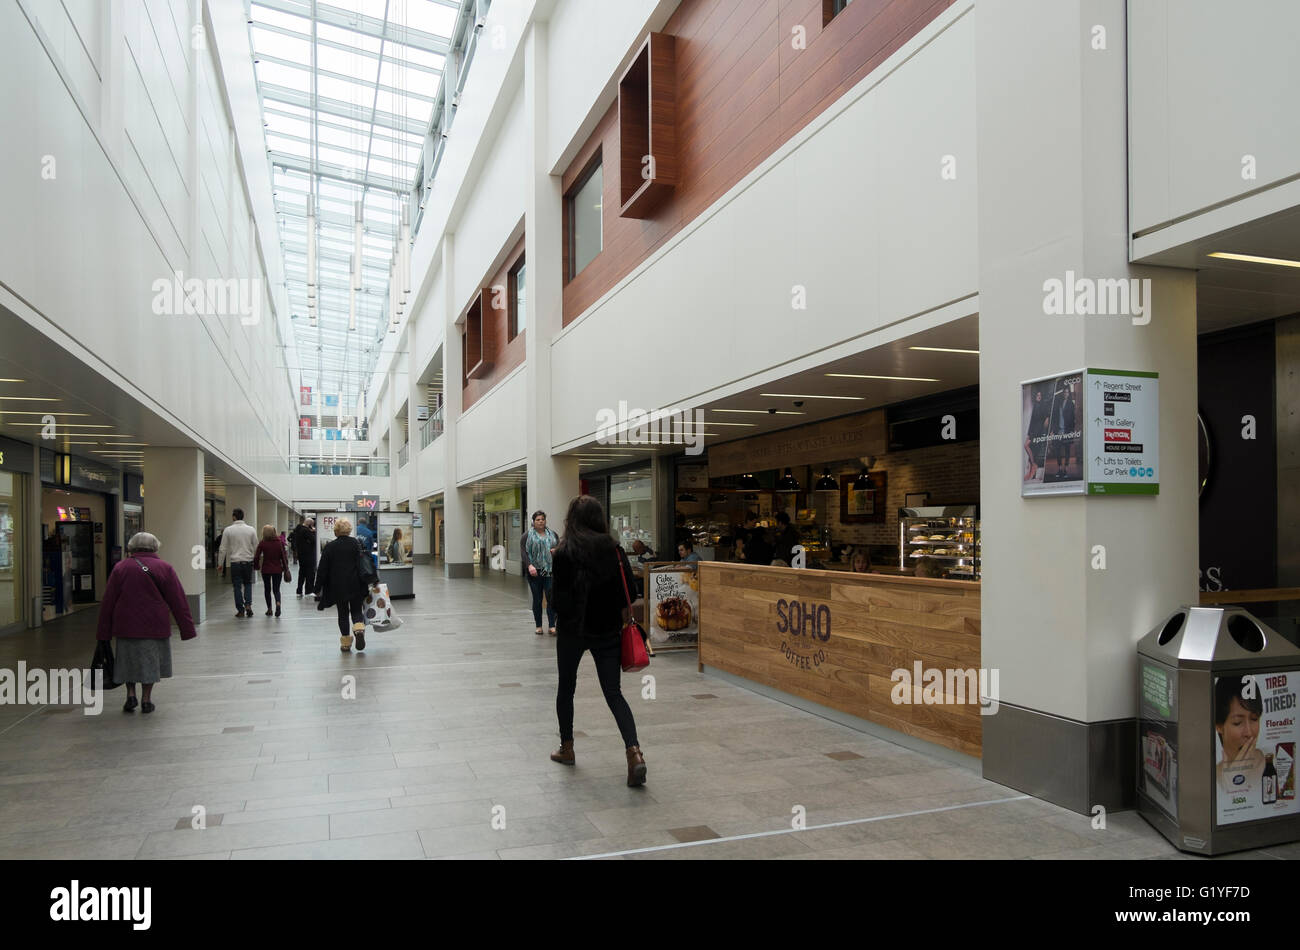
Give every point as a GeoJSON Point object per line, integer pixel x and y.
{"type": "Point", "coordinates": [949, 534]}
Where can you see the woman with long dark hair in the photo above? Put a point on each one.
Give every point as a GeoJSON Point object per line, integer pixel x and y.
{"type": "Point", "coordinates": [590, 571]}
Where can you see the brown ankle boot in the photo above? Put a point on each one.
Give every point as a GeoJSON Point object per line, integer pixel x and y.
{"type": "Point", "coordinates": [564, 754]}
{"type": "Point", "coordinates": [635, 767]}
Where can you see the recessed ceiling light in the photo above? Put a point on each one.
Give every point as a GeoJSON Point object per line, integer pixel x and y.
{"type": "Point", "coordinates": [897, 379]}
{"type": "Point", "coordinates": [28, 399]}
{"type": "Point", "coordinates": [13, 380]}
{"type": "Point", "coordinates": [743, 425]}
{"type": "Point", "coordinates": [796, 396]}
{"type": "Point", "coordinates": [760, 412]}
{"type": "Point", "coordinates": [37, 412]}
{"type": "Point", "coordinates": [942, 349]}
{"type": "Point", "coordinates": [1252, 259]}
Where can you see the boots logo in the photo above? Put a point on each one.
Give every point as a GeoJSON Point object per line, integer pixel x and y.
{"type": "Point", "coordinates": [808, 625]}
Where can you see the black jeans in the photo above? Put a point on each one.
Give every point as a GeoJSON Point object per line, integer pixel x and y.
{"type": "Point", "coordinates": [609, 667]}
{"type": "Point", "coordinates": [271, 582]}
{"type": "Point", "coordinates": [541, 584]}
{"type": "Point", "coordinates": [354, 608]}
{"type": "Point", "coordinates": [306, 574]}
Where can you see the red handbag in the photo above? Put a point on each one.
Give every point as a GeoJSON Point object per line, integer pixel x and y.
{"type": "Point", "coordinates": [635, 657]}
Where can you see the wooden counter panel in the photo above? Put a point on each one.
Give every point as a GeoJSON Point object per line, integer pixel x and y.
{"type": "Point", "coordinates": [863, 627]}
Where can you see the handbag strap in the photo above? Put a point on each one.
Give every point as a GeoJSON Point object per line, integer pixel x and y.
{"type": "Point", "coordinates": [623, 578]}
{"type": "Point", "coordinates": [145, 568]}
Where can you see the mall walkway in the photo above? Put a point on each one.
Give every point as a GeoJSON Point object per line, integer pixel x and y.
{"type": "Point", "coordinates": [453, 716]}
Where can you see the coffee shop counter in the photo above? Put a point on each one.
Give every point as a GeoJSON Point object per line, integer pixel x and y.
{"type": "Point", "coordinates": [836, 639]}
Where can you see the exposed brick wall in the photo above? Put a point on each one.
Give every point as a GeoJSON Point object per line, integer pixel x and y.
{"type": "Point", "coordinates": [950, 473]}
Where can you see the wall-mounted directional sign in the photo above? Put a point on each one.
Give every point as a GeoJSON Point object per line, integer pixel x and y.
{"type": "Point", "coordinates": [1122, 432]}
{"type": "Point", "coordinates": [1091, 431]}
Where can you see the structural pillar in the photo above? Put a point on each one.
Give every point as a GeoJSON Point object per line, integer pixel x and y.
{"type": "Point", "coordinates": [243, 497]}
{"type": "Point", "coordinates": [553, 481]}
{"type": "Point", "coordinates": [458, 511]}
{"type": "Point", "coordinates": [1070, 583]}
{"type": "Point", "coordinates": [173, 513]}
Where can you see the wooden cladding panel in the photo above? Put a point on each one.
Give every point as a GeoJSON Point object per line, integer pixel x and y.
{"type": "Point", "coordinates": [878, 624]}
{"type": "Point", "coordinates": [743, 90]}
{"type": "Point", "coordinates": [508, 355]}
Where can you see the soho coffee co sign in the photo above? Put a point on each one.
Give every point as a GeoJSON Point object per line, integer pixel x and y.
{"type": "Point", "coordinates": [808, 626]}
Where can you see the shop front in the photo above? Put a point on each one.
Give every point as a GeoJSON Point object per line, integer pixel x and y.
{"type": "Point", "coordinates": [902, 653]}
{"type": "Point", "coordinates": [883, 491]}
{"type": "Point", "coordinates": [16, 469]}
{"type": "Point", "coordinates": [80, 502]}
{"type": "Point", "coordinates": [504, 527]}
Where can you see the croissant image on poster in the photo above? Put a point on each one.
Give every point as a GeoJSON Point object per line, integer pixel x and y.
{"type": "Point", "coordinates": [1052, 424]}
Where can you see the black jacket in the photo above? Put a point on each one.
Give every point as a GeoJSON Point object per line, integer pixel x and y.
{"type": "Point", "coordinates": [303, 540]}
{"type": "Point", "coordinates": [344, 573]}
{"type": "Point", "coordinates": [589, 597]}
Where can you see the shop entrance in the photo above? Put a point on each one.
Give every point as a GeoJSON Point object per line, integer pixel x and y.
{"type": "Point", "coordinates": [76, 528]}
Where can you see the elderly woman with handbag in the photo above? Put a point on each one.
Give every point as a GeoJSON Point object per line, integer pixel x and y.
{"type": "Point", "coordinates": [142, 596]}
{"type": "Point", "coordinates": [344, 574]}
{"type": "Point", "coordinates": [592, 604]}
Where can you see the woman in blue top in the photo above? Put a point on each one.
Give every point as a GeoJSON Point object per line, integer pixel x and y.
{"type": "Point", "coordinates": [538, 544]}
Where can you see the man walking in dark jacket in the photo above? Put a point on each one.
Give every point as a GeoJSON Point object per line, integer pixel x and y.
{"type": "Point", "coordinates": [303, 540]}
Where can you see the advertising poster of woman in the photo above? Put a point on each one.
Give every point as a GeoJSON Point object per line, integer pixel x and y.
{"type": "Point", "coordinates": [1052, 425]}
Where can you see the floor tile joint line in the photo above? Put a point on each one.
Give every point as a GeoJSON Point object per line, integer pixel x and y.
{"type": "Point", "coordinates": [790, 831]}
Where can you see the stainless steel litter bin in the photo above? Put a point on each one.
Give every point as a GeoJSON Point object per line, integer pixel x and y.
{"type": "Point", "coordinates": [1217, 731]}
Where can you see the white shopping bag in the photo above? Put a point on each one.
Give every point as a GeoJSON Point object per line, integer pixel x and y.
{"type": "Point", "coordinates": [378, 609]}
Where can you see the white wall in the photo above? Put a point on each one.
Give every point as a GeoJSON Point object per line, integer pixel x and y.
{"type": "Point", "coordinates": [854, 210]}
{"type": "Point", "coordinates": [496, 206]}
{"type": "Point", "coordinates": [130, 204]}
{"type": "Point", "coordinates": [490, 435]}
{"type": "Point", "coordinates": [589, 39]}
{"type": "Point", "coordinates": [432, 475]}
{"type": "Point", "coordinates": [1209, 82]}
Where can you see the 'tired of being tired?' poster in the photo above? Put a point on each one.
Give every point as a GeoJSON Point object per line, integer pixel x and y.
{"type": "Point", "coordinates": [1255, 746]}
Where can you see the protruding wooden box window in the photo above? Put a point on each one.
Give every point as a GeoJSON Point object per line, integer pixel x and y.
{"type": "Point", "coordinates": [647, 121]}
{"type": "Point", "coordinates": [480, 353]}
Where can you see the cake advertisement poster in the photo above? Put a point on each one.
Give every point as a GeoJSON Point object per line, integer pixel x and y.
{"type": "Point", "coordinates": [673, 606]}
{"type": "Point", "coordinates": [1255, 738]}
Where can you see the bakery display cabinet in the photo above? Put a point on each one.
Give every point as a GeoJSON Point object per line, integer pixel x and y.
{"type": "Point", "coordinates": [949, 534]}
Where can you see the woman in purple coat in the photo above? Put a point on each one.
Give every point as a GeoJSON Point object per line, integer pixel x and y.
{"type": "Point", "coordinates": [142, 596]}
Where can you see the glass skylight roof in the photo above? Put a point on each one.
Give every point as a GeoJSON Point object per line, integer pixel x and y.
{"type": "Point", "coordinates": [348, 90]}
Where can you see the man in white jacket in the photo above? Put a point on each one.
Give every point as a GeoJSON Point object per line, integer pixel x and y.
{"type": "Point", "coordinates": [238, 546]}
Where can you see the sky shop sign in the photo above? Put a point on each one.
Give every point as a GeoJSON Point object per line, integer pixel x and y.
{"type": "Point", "coordinates": [808, 626]}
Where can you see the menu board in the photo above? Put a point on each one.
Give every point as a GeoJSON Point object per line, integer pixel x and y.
{"type": "Point", "coordinates": [1158, 733]}
{"type": "Point", "coordinates": [672, 594]}
{"type": "Point", "coordinates": [1255, 746]}
{"type": "Point", "coordinates": [1123, 426]}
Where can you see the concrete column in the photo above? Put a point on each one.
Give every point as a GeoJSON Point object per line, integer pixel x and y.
{"type": "Point", "coordinates": [552, 481]}
{"type": "Point", "coordinates": [459, 510]}
{"type": "Point", "coordinates": [1052, 164]}
{"type": "Point", "coordinates": [35, 556]}
{"type": "Point", "coordinates": [408, 489]}
{"type": "Point", "coordinates": [173, 512]}
{"type": "Point", "coordinates": [244, 497]}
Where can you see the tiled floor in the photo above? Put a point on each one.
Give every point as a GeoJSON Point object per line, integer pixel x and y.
{"type": "Point", "coordinates": [443, 754]}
